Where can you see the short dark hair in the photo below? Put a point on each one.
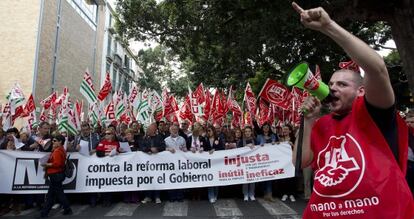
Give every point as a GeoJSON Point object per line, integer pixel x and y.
{"type": "Point", "coordinates": [43, 123]}
{"type": "Point", "coordinates": [13, 130]}
{"type": "Point", "coordinates": [85, 124]}
{"type": "Point", "coordinates": [357, 78]}
{"type": "Point", "coordinates": [60, 138]}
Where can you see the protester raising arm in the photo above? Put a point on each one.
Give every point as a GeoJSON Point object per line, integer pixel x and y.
{"type": "Point", "coordinates": [376, 78]}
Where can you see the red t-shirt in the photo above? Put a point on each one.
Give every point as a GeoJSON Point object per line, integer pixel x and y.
{"type": "Point", "coordinates": [107, 146]}
{"type": "Point", "coordinates": [356, 174]}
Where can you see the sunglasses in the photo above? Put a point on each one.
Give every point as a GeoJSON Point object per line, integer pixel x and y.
{"type": "Point", "coordinates": [54, 140]}
{"type": "Point", "coordinates": [108, 133]}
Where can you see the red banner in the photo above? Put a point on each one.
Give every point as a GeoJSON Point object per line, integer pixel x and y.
{"type": "Point", "coordinates": [106, 88]}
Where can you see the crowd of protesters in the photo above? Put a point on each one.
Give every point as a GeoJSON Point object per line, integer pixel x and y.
{"type": "Point", "coordinates": [158, 137]}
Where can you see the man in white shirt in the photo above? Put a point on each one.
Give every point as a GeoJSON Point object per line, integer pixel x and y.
{"type": "Point", "coordinates": [174, 141]}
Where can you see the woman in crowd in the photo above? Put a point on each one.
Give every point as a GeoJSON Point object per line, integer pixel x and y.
{"type": "Point", "coordinates": [132, 141]}
{"type": "Point", "coordinates": [11, 134]}
{"type": "Point", "coordinates": [137, 129]}
{"type": "Point", "coordinates": [214, 143]}
{"type": "Point", "coordinates": [108, 146]}
{"type": "Point", "coordinates": [131, 196]}
{"type": "Point", "coordinates": [24, 138]}
{"type": "Point", "coordinates": [248, 140]}
{"type": "Point", "coordinates": [196, 143]}
{"type": "Point", "coordinates": [288, 185]}
{"type": "Point", "coordinates": [267, 137]}
{"type": "Point", "coordinates": [10, 202]}
{"type": "Point", "coordinates": [55, 172]}
{"type": "Point", "coordinates": [230, 140]}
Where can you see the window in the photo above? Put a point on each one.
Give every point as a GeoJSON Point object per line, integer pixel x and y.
{"type": "Point", "coordinates": [108, 67]}
{"type": "Point", "coordinates": [116, 48]}
{"type": "Point", "coordinates": [114, 79]}
{"type": "Point", "coordinates": [89, 12]}
{"type": "Point", "coordinates": [126, 62]}
{"type": "Point", "coordinates": [108, 49]}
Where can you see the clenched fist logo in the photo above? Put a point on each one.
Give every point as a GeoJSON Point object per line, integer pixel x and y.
{"type": "Point", "coordinates": [339, 165]}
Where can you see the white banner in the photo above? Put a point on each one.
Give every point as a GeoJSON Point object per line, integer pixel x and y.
{"type": "Point", "coordinates": [21, 171]}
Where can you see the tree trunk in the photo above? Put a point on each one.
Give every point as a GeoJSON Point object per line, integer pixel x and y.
{"type": "Point", "coordinates": [402, 24]}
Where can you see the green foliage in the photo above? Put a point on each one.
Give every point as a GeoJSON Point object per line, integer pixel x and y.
{"type": "Point", "coordinates": [223, 43]}
{"type": "Point", "coordinates": [399, 80]}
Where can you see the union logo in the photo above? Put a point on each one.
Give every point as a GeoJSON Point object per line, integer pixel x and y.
{"type": "Point", "coordinates": [341, 166]}
{"type": "Point", "coordinates": [275, 93]}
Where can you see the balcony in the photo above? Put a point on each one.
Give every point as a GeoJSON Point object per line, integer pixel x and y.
{"type": "Point", "coordinates": [117, 59]}
{"type": "Point", "coordinates": [97, 2]}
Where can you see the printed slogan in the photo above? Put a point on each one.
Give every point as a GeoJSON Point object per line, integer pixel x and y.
{"type": "Point", "coordinates": [22, 173]}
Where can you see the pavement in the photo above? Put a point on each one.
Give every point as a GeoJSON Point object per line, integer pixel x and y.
{"type": "Point", "coordinates": [231, 208]}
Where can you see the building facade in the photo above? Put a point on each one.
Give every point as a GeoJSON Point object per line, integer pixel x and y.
{"type": "Point", "coordinates": [48, 44]}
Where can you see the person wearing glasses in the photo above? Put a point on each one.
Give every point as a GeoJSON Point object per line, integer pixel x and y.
{"type": "Point", "coordinates": [109, 146]}
{"type": "Point", "coordinates": [55, 173]}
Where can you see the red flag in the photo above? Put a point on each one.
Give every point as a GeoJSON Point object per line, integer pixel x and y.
{"type": "Point", "coordinates": [125, 119]}
{"type": "Point", "coordinates": [207, 105]}
{"type": "Point", "coordinates": [250, 99]}
{"type": "Point", "coordinates": [19, 111]}
{"type": "Point", "coordinates": [158, 115]}
{"type": "Point", "coordinates": [110, 112]}
{"type": "Point", "coordinates": [171, 116]}
{"type": "Point", "coordinates": [236, 120]}
{"type": "Point", "coordinates": [106, 88]}
{"type": "Point", "coordinates": [61, 98]}
{"type": "Point", "coordinates": [224, 106]}
{"type": "Point", "coordinates": [46, 103]}
{"type": "Point", "coordinates": [263, 112]}
{"type": "Point", "coordinates": [198, 94]}
{"type": "Point", "coordinates": [215, 103]}
{"type": "Point", "coordinates": [185, 111]}
{"type": "Point", "coordinates": [170, 108]}
{"type": "Point", "coordinates": [79, 106]}
{"type": "Point", "coordinates": [232, 103]}
{"type": "Point", "coordinates": [218, 108]}
{"type": "Point", "coordinates": [274, 92]}
{"type": "Point", "coordinates": [30, 106]}
{"type": "Point", "coordinates": [43, 116]}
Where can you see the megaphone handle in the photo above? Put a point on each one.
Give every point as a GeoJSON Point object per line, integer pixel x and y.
{"type": "Point", "coordinates": [298, 164]}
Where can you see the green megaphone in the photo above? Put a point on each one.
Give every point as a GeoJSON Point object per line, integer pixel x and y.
{"type": "Point", "coordinates": [302, 77]}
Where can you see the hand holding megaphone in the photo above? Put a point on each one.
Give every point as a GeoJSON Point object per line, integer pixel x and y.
{"type": "Point", "coordinates": [302, 77]}
{"type": "Point", "coordinates": [311, 108]}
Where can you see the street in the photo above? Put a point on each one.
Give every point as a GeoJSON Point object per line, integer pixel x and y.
{"type": "Point", "coordinates": [223, 208]}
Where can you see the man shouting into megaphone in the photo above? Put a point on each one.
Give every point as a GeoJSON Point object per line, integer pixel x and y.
{"type": "Point", "coordinates": [359, 150]}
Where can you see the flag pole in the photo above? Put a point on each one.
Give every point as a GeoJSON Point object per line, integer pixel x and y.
{"type": "Point", "coordinates": [298, 164]}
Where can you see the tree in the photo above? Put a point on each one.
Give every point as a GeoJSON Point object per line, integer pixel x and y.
{"type": "Point", "coordinates": [399, 81]}
{"type": "Point", "coordinates": [399, 15]}
{"type": "Point", "coordinates": [160, 69]}
{"type": "Point", "coordinates": [225, 43]}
